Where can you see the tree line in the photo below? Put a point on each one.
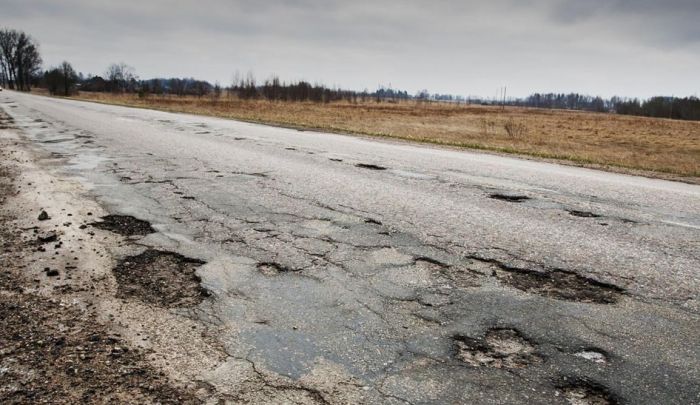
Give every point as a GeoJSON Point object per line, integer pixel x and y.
{"type": "Point", "coordinates": [687, 108]}
{"type": "Point", "coordinates": [121, 78]}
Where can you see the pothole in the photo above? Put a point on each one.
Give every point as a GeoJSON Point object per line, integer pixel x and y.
{"type": "Point", "coordinates": [370, 166]}
{"type": "Point", "coordinates": [593, 355]}
{"type": "Point", "coordinates": [560, 284]}
{"type": "Point", "coordinates": [583, 214]}
{"type": "Point", "coordinates": [274, 269]}
{"type": "Point", "coordinates": [124, 225]}
{"type": "Point", "coordinates": [509, 197]}
{"type": "Point", "coordinates": [500, 348]}
{"type": "Point", "coordinates": [161, 278]}
{"type": "Point", "coordinates": [582, 392]}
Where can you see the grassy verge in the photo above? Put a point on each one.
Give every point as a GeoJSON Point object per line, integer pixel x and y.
{"type": "Point", "coordinates": [657, 147]}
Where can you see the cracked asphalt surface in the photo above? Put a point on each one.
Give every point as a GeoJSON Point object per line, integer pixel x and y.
{"type": "Point", "coordinates": [349, 270]}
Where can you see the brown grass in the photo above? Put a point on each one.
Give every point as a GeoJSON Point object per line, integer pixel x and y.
{"type": "Point", "coordinates": [605, 140]}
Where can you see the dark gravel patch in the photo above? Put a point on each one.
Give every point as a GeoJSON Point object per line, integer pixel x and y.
{"type": "Point", "coordinates": [560, 284]}
{"type": "Point", "coordinates": [124, 225]}
{"type": "Point", "coordinates": [54, 354]}
{"type": "Point", "coordinates": [160, 278]}
{"type": "Point", "coordinates": [578, 391]}
{"type": "Point", "coordinates": [500, 348]}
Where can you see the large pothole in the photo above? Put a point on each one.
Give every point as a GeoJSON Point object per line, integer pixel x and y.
{"type": "Point", "coordinates": [581, 392]}
{"type": "Point", "coordinates": [124, 225]}
{"type": "Point", "coordinates": [161, 278]}
{"type": "Point", "coordinates": [500, 348]}
{"type": "Point", "coordinates": [560, 284]}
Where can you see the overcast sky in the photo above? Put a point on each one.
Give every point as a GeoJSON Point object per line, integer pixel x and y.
{"type": "Point", "coordinates": [599, 47]}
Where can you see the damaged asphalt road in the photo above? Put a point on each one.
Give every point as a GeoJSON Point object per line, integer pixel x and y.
{"type": "Point", "coordinates": [319, 268]}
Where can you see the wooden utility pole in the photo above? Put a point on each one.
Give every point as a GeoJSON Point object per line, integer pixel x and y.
{"type": "Point", "coordinates": [503, 106]}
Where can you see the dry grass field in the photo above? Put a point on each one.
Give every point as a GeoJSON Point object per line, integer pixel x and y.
{"type": "Point", "coordinates": [660, 147]}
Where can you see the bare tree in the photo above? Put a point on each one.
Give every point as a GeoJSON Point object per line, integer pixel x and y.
{"type": "Point", "coordinates": [69, 77]}
{"type": "Point", "coordinates": [19, 59]}
{"type": "Point", "coordinates": [61, 80]}
{"type": "Point", "coordinates": [121, 77]}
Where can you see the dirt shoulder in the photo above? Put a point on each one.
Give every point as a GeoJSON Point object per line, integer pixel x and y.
{"type": "Point", "coordinates": [54, 346]}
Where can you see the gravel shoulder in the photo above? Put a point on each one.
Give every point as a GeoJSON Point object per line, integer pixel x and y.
{"type": "Point", "coordinates": [78, 323]}
{"type": "Point", "coordinates": [54, 345]}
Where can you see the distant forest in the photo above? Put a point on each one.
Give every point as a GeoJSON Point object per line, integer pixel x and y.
{"type": "Point", "coordinates": [20, 69]}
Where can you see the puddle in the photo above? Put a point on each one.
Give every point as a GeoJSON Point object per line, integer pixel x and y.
{"type": "Point", "coordinates": [500, 348]}
{"type": "Point", "coordinates": [560, 284]}
{"type": "Point", "coordinates": [509, 197]}
{"type": "Point", "coordinates": [161, 278]}
{"type": "Point", "coordinates": [124, 225]}
{"type": "Point", "coordinates": [370, 166]}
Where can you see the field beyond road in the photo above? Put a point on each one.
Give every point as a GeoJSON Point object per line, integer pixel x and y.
{"type": "Point", "coordinates": [660, 147]}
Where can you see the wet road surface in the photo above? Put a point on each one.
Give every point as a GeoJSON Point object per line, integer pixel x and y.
{"type": "Point", "coordinates": [374, 271]}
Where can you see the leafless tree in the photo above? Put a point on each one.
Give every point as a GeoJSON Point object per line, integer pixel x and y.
{"type": "Point", "coordinates": [121, 77]}
{"type": "Point", "coordinates": [20, 61]}
{"type": "Point", "coordinates": [61, 80]}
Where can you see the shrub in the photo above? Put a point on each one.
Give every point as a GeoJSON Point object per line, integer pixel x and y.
{"type": "Point", "coordinates": [515, 129]}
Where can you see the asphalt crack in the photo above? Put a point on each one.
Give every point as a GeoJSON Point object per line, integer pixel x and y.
{"type": "Point", "coordinates": [509, 197]}
{"type": "Point", "coordinates": [370, 166]}
{"type": "Point", "coordinates": [583, 214]}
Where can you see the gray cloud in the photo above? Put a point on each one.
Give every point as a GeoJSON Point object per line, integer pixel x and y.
{"type": "Point", "coordinates": [628, 47]}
